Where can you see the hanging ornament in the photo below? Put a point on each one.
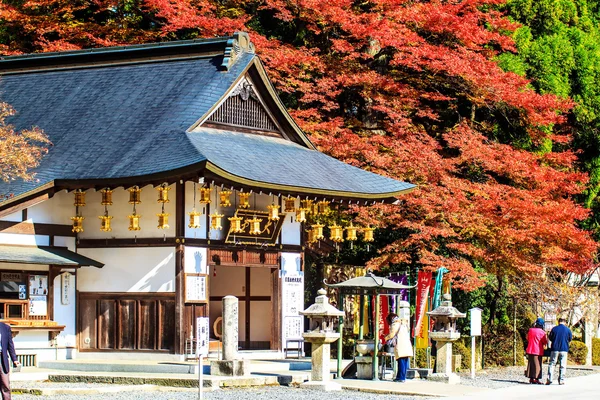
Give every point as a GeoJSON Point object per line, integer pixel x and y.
{"type": "Point", "coordinates": [323, 207]}
{"type": "Point", "coordinates": [235, 224]}
{"type": "Point", "coordinates": [215, 221]}
{"type": "Point", "coordinates": [314, 208]}
{"type": "Point", "coordinates": [106, 197]}
{"type": "Point", "coordinates": [224, 198]}
{"type": "Point", "coordinates": [317, 230]}
{"type": "Point", "coordinates": [255, 225]}
{"type": "Point", "coordinates": [244, 200]}
{"type": "Point", "coordinates": [368, 232]}
{"type": "Point", "coordinates": [163, 193]}
{"type": "Point", "coordinates": [336, 233]}
{"type": "Point", "coordinates": [301, 215]}
{"type": "Point", "coordinates": [311, 237]}
{"type": "Point", "coordinates": [79, 198]}
{"type": "Point", "coordinates": [163, 220]}
{"type": "Point", "coordinates": [194, 219]}
{"type": "Point", "coordinates": [105, 222]}
{"type": "Point", "coordinates": [77, 223]}
{"type": "Point", "coordinates": [307, 205]}
{"type": "Point", "coordinates": [273, 212]}
{"type": "Point", "coordinates": [204, 195]}
{"type": "Point", "coordinates": [351, 232]}
{"type": "Point", "coordinates": [290, 204]}
{"type": "Point", "coordinates": [135, 195]}
{"type": "Point", "coordinates": [134, 221]}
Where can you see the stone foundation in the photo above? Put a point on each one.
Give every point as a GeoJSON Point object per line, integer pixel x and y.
{"type": "Point", "coordinates": [230, 368]}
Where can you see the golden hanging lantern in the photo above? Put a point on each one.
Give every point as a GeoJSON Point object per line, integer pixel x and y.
{"type": "Point", "coordinates": [204, 195]}
{"type": "Point", "coordinates": [336, 233]}
{"type": "Point", "coordinates": [215, 221]}
{"type": "Point", "coordinates": [134, 222]}
{"type": "Point", "coordinates": [301, 215]}
{"type": "Point", "coordinates": [235, 224]}
{"type": "Point", "coordinates": [77, 224]}
{"type": "Point", "coordinates": [307, 205]}
{"type": "Point", "coordinates": [79, 198]}
{"type": "Point", "coordinates": [163, 194]}
{"type": "Point", "coordinates": [244, 203]}
{"type": "Point", "coordinates": [314, 208]}
{"type": "Point", "coordinates": [323, 207]}
{"type": "Point", "coordinates": [255, 225]}
{"type": "Point", "coordinates": [317, 230]}
{"type": "Point", "coordinates": [105, 223]}
{"type": "Point", "coordinates": [163, 220]}
{"type": "Point", "coordinates": [311, 237]}
{"type": "Point", "coordinates": [224, 198]}
{"type": "Point", "coordinates": [290, 204]}
{"type": "Point", "coordinates": [194, 219]}
{"type": "Point", "coordinates": [273, 212]}
{"type": "Point", "coordinates": [351, 232]}
{"type": "Point", "coordinates": [106, 197]}
{"type": "Point", "coordinates": [368, 232]}
{"type": "Point", "coordinates": [135, 196]}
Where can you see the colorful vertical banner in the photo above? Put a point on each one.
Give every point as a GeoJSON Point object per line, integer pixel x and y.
{"type": "Point", "coordinates": [423, 287]}
{"type": "Point", "coordinates": [383, 313]}
{"type": "Point", "coordinates": [422, 339]}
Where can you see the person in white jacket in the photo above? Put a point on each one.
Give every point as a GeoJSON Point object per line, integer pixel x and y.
{"type": "Point", "coordinates": [402, 346]}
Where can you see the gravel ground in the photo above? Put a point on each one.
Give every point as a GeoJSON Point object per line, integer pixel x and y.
{"type": "Point", "coordinates": [496, 378]}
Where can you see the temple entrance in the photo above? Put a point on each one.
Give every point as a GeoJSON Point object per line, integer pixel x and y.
{"type": "Point", "coordinates": [256, 289]}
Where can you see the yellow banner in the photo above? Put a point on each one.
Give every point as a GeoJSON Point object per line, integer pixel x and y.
{"type": "Point", "coordinates": [423, 339]}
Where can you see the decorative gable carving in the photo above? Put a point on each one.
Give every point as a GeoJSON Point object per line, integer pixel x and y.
{"type": "Point", "coordinates": [243, 108]}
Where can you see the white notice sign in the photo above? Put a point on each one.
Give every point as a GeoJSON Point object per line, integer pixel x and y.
{"type": "Point", "coordinates": [475, 321]}
{"type": "Point", "coordinates": [195, 288]}
{"type": "Point", "coordinates": [202, 337]}
{"type": "Point", "coordinates": [292, 299]}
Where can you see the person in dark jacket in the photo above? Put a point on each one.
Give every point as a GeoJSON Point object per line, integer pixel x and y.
{"type": "Point", "coordinates": [561, 337]}
{"type": "Point", "coordinates": [7, 348]}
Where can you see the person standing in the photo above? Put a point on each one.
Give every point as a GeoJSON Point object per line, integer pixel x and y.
{"type": "Point", "coordinates": [536, 342]}
{"type": "Point", "coordinates": [403, 347]}
{"type": "Point", "coordinates": [561, 337]}
{"type": "Point", "coordinates": [7, 348]}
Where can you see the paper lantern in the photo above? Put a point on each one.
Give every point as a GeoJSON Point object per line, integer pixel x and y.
{"type": "Point", "coordinates": [235, 224]}
{"type": "Point", "coordinates": [204, 195]}
{"type": "Point", "coordinates": [79, 198]}
{"type": "Point", "coordinates": [255, 226]}
{"type": "Point", "coordinates": [224, 198]}
{"type": "Point", "coordinates": [290, 204]}
{"type": "Point", "coordinates": [351, 232]}
{"type": "Point", "coordinates": [163, 220]}
{"type": "Point", "coordinates": [323, 206]}
{"type": "Point", "coordinates": [163, 194]}
{"type": "Point", "coordinates": [194, 219]}
{"type": "Point", "coordinates": [135, 195]}
{"type": "Point", "coordinates": [317, 230]}
{"type": "Point", "coordinates": [105, 223]}
{"type": "Point", "coordinates": [273, 212]}
{"type": "Point", "coordinates": [106, 197]}
{"type": "Point", "coordinates": [244, 203]}
{"type": "Point", "coordinates": [301, 215]}
{"type": "Point", "coordinates": [336, 233]}
{"type": "Point", "coordinates": [77, 224]}
{"type": "Point", "coordinates": [134, 222]}
{"type": "Point", "coordinates": [307, 205]}
{"type": "Point", "coordinates": [215, 221]}
{"type": "Point", "coordinates": [368, 232]}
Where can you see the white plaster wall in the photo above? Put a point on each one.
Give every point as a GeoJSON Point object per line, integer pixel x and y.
{"type": "Point", "coordinates": [31, 340]}
{"type": "Point", "coordinates": [14, 217]}
{"type": "Point", "coordinates": [261, 318]}
{"type": "Point", "coordinates": [195, 260]}
{"type": "Point", "coordinates": [64, 241]}
{"type": "Point", "coordinates": [129, 270]}
{"type": "Point", "coordinates": [120, 209]}
{"type": "Point", "coordinates": [291, 262]}
{"type": "Point", "coordinates": [27, 240]}
{"type": "Point", "coordinates": [65, 314]}
{"type": "Point", "coordinates": [57, 210]}
{"type": "Point", "coordinates": [260, 281]}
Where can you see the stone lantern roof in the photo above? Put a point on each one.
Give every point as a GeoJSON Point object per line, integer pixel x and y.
{"type": "Point", "coordinates": [446, 309]}
{"type": "Point", "coordinates": [321, 307]}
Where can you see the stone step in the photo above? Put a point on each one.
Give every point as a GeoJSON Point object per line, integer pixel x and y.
{"type": "Point", "coordinates": [87, 366]}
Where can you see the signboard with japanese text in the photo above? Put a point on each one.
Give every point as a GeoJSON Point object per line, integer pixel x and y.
{"type": "Point", "coordinates": [292, 302]}
{"type": "Point", "coordinates": [195, 288]}
{"type": "Point", "coordinates": [202, 336]}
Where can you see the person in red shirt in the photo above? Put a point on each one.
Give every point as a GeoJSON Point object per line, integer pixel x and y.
{"type": "Point", "coordinates": [536, 342]}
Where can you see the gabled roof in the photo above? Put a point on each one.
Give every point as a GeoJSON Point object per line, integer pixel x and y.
{"type": "Point", "coordinates": [134, 115]}
{"type": "Point", "coordinates": [45, 255]}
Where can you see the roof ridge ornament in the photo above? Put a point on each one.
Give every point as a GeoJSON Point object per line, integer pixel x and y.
{"type": "Point", "coordinates": [239, 43]}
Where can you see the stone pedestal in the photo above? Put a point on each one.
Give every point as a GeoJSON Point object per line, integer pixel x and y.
{"type": "Point", "coordinates": [320, 360]}
{"type": "Point", "coordinates": [230, 365]}
{"type": "Point", "coordinates": [364, 367]}
{"type": "Point", "coordinates": [230, 368]}
{"type": "Point", "coordinates": [443, 364]}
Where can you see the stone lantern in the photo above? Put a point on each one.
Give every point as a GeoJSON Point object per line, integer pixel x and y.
{"type": "Point", "coordinates": [323, 319]}
{"type": "Point", "coordinates": [444, 333]}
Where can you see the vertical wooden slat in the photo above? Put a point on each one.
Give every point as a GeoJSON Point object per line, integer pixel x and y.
{"type": "Point", "coordinates": [127, 324]}
{"type": "Point", "coordinates": [179, 347]}
{"type": "Point", "coordinates": [247, 311]}
{"type": "Point", "coordinates": [107, 326]}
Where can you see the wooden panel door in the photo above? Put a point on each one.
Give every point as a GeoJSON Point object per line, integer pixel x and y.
{"type": "Point", "coordinates": [147, 324]}
{"type": "Point", "coordinates": [87, 324]}
{"type": "Point", "coordinates": [167, 322]}
{"type": "Point", "coordinates": [107, 324]}
{"type": "Point", "coordinates": [127, 324]}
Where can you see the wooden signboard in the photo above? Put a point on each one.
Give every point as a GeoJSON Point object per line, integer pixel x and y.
{"type": "Point", "coordinates": [269, 230]}
{"type": "Point", "coordinates": [196, 288]}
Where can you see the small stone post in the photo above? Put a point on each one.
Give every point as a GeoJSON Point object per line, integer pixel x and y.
{"type": "Point", "coordinates": [231, 365]}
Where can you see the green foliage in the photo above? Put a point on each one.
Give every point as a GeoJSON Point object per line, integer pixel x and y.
{"type": "Point", "coordinates": [420, 360]}
{"type": "Point", "coordinates": [596, 351]}
{"type": "Point", "coordinates": [498, 348]}
{"type": "Point", "coordinates": [578, 352]}
{"type": "Point", "coordinates": [459, 348]}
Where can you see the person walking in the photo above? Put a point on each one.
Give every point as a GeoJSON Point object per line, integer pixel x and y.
{"type": "Point", "coordinates": [561, 337]}
{"type": "Point", "coordinates": [7, 348]}
{"type": "Point", "coordinates": [402, 346]}
{"type": "Point", "coordinates": [536, 342]}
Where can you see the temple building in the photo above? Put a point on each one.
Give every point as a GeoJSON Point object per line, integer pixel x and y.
{"type": "Point", "coordinates": [175, 177]}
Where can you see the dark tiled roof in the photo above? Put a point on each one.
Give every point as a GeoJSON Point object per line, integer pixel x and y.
{"type": "Point", "coordinates": [284, 163]}
{"type": "Point", "coordinates": [45, 255]}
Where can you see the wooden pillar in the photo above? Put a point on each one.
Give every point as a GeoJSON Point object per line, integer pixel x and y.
{"type": "Point", "coordinates": [179, 345]}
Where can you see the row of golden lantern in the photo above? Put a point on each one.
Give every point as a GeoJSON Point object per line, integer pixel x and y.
{"type": "Point", "coordinates": [237, 224]}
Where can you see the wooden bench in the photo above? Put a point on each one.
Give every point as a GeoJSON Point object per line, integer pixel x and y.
{"type": "Point", "coordinates": [299, 349]}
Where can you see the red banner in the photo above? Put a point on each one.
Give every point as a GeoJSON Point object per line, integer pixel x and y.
{"type": "Point", "coordinates": [423, 287]}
